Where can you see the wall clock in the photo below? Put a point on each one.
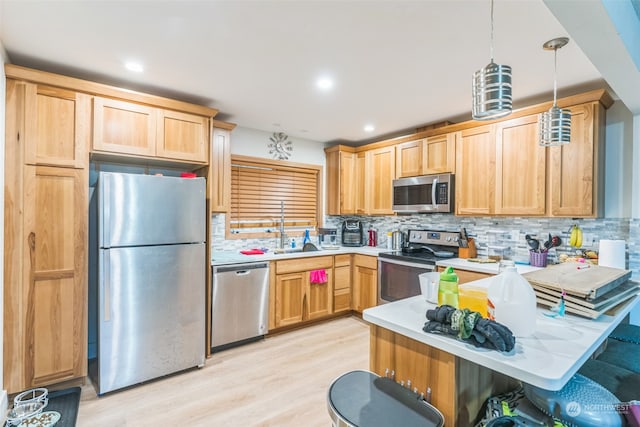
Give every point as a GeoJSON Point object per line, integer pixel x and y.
{"type": "Point", "coordinates": [280, 146]}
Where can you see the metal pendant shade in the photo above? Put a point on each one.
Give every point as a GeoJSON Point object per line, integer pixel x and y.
{"type": "Point", "coordinates": [491, 89]}
{"type": "Point", "coordinates": [555, 124]}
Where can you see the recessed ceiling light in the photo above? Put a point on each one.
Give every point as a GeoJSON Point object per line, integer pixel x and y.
{"type": "Point", "coordinates": [134, 66]}
{"type": "Point", "coordinates": [324, 83]}
{"type": "Point", "coordinates": [369, 128]}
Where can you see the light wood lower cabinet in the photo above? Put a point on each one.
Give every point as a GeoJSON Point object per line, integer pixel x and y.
{"type": "Point", "coordinates": [365, 282]}
{"type": "Point", "coordinates": [342, 283]}
{"type": "Point", "coordinates": [459, 387]}
{"type": "Point", "coordinates": [293, 298]}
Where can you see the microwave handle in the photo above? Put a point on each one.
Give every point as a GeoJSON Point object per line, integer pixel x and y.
{"type": "Point", "coordinates": [434, 184]}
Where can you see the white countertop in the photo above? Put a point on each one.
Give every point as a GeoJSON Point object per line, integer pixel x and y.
{"type": "Point", "coordinates": [235, 257]}
{"type": "Point", "coordinates": [548, 359]}
{"type": "Point", "coordinates": [491, 268]}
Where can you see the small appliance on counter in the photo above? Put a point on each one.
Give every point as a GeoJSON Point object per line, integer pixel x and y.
{"type": "Point", "coordinates": [328, 238]}
{"type": "Point", "coordinates": [352, 233]}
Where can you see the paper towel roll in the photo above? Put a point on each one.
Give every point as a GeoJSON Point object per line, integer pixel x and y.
{"type": "Point", "coordinates": [612, 253]}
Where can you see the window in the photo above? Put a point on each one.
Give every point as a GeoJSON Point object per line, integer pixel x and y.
{"type": "Point", "coordinates": [260, 187]}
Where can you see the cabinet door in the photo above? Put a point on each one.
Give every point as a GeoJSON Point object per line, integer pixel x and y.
{"type": "Point", "coordinates": [220, 170]}
{"type": "Point", "coordinates": [124, 127]}
{"type": "Point", "coordinates": [57, 129]}
{"type": "Point", "coordinates": [320, 297]}
{"type": "Point", "coordinates": [342, 288]}
{"type": "Point", "coordinates": [520, 168]}
{"type": "Point", "coordinates": [476, 171]}
{"type": "Point", "coordinates": [182, 136]}
{"type": "Point", "coordinates": [55, 274]}
{"type": "Point", "coordinates": [379, 181]}
{"type": "Point", "coordinates": [573, 167]}
{"type": "Point", "coordinates": [361, 183]}
{"type": "Point", "coordinates": [365, 282]}
{"type": "Point", "coordinates": [290, 298]}
{"type": "Point", "coordinates": [409, 159]}
{"type": "Point", "coordinates": [439, 154]}
{"type": "Point", "coordinates": [347, 183]}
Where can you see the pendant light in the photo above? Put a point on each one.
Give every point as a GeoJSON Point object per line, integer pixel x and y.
{"type": "Point", "coordinates": [491, 88]}
{"type": "Point", "coordinates": [555, 124]}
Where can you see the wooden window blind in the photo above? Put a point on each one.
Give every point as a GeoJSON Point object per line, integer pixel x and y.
{"type": "Point", "coordinates": [258, 186]}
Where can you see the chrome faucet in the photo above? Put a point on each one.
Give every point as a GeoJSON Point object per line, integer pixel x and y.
{"type": "Point", "coordinates": [283, 236]}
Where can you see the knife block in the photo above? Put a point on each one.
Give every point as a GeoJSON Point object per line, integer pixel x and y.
{"type": "Point", "coordinates": [469, 252]}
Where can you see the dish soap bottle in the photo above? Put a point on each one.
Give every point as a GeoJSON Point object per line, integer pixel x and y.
{"type": "Point", "coordinates": [512, 301]}
{"type": "Point", "coordinates": [306, 238]}
{"type": "Point", "coordinates": [448, 288]}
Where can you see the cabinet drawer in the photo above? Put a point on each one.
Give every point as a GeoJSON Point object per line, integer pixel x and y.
{"type": "Point", "coordinates": [342, 260]}
{"type": "Point", "coordinates": [303, 264]}
{"type": "Point", "coordinates": [342, 277]}
{"type": "Point", "coordinates": [341, 300]}
{"type": "Point", "coordinates": [366, 261]}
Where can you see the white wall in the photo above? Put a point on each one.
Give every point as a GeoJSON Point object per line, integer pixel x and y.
{"type": "Point", "coordinates": [255, 143]}
{"type": "Point", "coordinates": [3, 60]}
{"type": "Point", "coordinates": [619, 150]}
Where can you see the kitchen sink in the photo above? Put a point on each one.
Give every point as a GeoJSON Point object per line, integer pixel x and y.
{"type": "Point", "coordinates": [309, 247]}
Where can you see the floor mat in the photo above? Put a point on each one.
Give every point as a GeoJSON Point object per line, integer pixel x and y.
{"type": "Point", "coordinates": [66, 402]}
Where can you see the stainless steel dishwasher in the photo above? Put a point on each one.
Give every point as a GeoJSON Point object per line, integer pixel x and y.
{"type": "Point", "coordinates": [239, 304]}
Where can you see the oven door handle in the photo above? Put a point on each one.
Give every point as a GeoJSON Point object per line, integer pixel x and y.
{"type": "Point", "coordinates": [408, 264]}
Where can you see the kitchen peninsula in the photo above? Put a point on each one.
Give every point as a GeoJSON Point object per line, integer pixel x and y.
{"type": "Point", "coordinates": [461, 376]}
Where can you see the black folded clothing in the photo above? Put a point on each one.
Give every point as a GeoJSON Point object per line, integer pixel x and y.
{"type": "Point", "coordinates": [469, 326]}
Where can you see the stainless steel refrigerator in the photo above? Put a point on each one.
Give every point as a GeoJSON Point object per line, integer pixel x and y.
{"type": "Point", "coordinates": [151, 277]}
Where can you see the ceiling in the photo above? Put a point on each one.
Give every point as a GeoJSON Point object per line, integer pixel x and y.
{"type": "Point", "coordinates": [395, 64]}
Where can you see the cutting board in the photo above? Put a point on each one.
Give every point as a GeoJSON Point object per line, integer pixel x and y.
{"type": "Point", "coordinates": [583, 280]}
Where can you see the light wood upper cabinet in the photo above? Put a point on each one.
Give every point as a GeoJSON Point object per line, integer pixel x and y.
{"type": "Point", "coordinates": [121, 127]}
{"type": "Point", "coordinates": [361, 198]}
{"type": "Point", "coordinates": [379, 175]}
{"type": "Point", "coordinates": [575, 168]}
{"type": "Point", "coordinates": [439, 154]}
{"type": "Point", "coordinates": [59, 125]}
{"type": "Point", "coordinates": [520, 168]}
{"type": "Point", "coordinates": [341, 185]}
{"type": "Point", "coordinates": [124, 127]}
{"type": "Point", "coordinates": [220, 170]}
{"type": "Point", "coordinates": [182, 136]}
{"type": "Point", "coordinates": [409, 159]}
{"type": "Point", "coordinates": [476, 171]}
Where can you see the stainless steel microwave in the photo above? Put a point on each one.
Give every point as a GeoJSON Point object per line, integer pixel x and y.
{"type": "Point", "coordinates": [427, 193]}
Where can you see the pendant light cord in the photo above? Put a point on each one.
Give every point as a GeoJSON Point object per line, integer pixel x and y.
{"type": "Point", "coordinates": [555, 75]}
{"type": "Point", "coordinates": [491, 39]}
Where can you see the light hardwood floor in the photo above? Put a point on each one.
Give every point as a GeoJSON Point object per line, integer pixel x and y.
{"type": "Point", "coordinates": [280, 381]}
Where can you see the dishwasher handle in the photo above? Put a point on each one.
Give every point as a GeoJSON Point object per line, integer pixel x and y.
{"type": "Point", "coordinates": [239, 269]}
{"type": "Point", "coordinates": [242, 272]}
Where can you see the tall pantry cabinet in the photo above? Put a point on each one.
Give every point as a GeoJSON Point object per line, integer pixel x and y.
{"type": "Point", "coordinates": [45, 264]}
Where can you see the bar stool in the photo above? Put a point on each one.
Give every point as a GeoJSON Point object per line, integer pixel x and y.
{"type": "Point", "coordinates": [364, 399]}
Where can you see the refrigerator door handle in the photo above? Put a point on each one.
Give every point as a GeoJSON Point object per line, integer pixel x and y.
{"type": "Point", "coordinates": [107, 287]}
{"type": "Point", "coordinates": [105, 208]}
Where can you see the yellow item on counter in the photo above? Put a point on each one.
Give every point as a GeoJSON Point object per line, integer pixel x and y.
{"type": "Point", "coordinates": [473, 295]}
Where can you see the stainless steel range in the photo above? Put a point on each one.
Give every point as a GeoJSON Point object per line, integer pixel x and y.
{"type": "Point", "coordinates": [398, 271]}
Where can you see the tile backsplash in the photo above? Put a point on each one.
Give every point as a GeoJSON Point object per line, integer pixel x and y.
{"type": "Point", "coordinates": [493, 231]}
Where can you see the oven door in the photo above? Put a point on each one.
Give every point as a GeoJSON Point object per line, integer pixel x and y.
{"type": "Point", "coordinates": [399, 279]}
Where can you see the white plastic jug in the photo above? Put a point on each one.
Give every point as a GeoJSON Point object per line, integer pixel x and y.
{"type": "Point", "coordinates": [512, 302]}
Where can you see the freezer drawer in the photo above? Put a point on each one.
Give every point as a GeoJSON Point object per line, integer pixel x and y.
{"type": "Point", "coordinates": [151, 313]}
{"type": "Point", "coordinates": [240, 303]}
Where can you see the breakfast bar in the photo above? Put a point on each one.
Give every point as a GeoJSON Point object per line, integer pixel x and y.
{"type": "Point", "coordinates": [460, 376]}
